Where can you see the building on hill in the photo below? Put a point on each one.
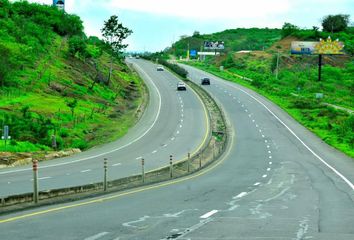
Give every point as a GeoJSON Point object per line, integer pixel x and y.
{"type": "Point", "coordinates": [59, 4]}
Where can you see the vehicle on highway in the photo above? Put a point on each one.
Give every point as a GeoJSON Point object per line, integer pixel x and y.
{"type": "Point", "coordinates": [181, 86]}
{"type": "Point", "coordinates": [160, 68]}
{"type": "Point", "coordinates": [205, 81]}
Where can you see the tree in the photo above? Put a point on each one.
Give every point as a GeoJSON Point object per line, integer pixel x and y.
{"type": "Point", "coordinates": [72, 105]}
{"type": "Point", "coordinates": [77, 45]}
{"type": "Point", "coordinates": [288, 29]}
{"type": "Point", "coordinates": [115, 33]}
{"type": "Point", "coordinates": [335, 23]}
{"type": "Point", "coordinates": [196, 34]}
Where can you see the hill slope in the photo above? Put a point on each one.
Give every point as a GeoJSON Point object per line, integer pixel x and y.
{"type": "Point", "coordinates": [48, 89]}
{"type": "Point", "coordinates": [235, 40]}
{"type": "Point", "coordinates": [330, 117]}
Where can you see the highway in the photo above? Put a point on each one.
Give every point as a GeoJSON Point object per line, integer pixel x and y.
{"type": "Point", "coordinates": [275, 181]}
{"type": "Point", "coordinates": [175, 122]}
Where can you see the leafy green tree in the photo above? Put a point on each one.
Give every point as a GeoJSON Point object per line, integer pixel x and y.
{"type": "Point", "coordinates": [72, 105]}
{"type": "Point", "coordinates": [115, 33]}
{"type": "Point", "coordinates": [335, 23]}
{"type": "Point", "coordinates": [288, 29]}
{"type": "Point", "coordinates": [77, 45]}
{"type": "Point", "coordinates": [6, 64]}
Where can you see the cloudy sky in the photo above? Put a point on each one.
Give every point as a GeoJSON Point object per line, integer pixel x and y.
{"type": "Point", "coordinates": [158, 23]}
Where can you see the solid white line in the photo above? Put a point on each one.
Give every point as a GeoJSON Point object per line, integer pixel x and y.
{"type": "Point", "coordinates": [87, 170]}
{"type": "Point", "coordinates": [117, 164]}
{"type": "Point", "coordinates": [111, 151]}
{"type": "Point", "coordinates": [209, 214]}
{"type": "Point", "coordinates": [256, 184]}
{"type": "Point", "coordinates": [349, 183]}
{"type": "Point", "coordinates": [97, 236]}
{"type": "Point", "coordinates": [240, 195]}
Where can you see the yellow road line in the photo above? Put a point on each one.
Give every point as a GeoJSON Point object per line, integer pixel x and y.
{"type": "Point", "coordinates": [100, 200]}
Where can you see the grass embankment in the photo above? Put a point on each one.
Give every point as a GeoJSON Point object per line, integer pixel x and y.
{"type": "Point", "coordinates": [54, 86]}
{"type": "Point", "coordinates": [294, 92]}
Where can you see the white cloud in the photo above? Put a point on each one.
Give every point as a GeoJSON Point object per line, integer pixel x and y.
{"type": "Point", "coordinates": [204, 10]}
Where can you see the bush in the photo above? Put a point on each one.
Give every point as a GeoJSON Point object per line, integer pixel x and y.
{"type": "Point", "coordinates": [175, 68]}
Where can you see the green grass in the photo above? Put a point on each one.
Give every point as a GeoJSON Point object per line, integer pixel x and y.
{"type": "Point", "coordinates": [14, 146]}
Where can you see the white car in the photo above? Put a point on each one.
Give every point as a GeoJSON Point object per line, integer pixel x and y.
{"type": "Point", "coordinates": [160, 68]}
{"type": "Point", "coordinates": [181, 86]}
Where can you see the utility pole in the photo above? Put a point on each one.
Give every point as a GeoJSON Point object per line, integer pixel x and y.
{"type": "Point", "coordinates": [319, 66]}
{"type": "Point", "coordinates": [277, 70]}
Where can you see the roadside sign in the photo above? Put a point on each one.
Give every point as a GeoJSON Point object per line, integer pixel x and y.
{"type": "Point", "coordinates": [193, 53]}
{"type": "Point", "coordinates": [314, 48]}
{"type": "Point", "coordinates": [217, 45]}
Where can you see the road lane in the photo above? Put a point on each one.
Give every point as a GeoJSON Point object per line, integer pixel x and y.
{"type": "Point", "coordinates": [164, 129]}
{"type": "Point", "coordinates": [267, 186]}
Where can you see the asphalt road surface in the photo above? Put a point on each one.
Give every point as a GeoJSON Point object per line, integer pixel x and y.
{"type": "Point", "coordinates": [175, 122]}
{"type": "Point", "coordinates": [275, 181]}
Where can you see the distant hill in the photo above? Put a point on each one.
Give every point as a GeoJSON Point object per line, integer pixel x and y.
{"type": "Point", "coordinates": [53, 82]}
{"type": "Point", "coordinates": [235, 40]}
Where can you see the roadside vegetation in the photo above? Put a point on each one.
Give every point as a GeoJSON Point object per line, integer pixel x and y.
{"type": "Point", "coordinates": [59, 88]}
{"type": "Point", "coordinates": [324, 107]}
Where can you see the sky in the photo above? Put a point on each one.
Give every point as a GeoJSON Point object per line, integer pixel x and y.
{"type": "Point", "coordinates": [156, 24]}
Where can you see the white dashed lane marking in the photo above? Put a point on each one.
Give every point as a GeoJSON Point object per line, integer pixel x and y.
{"type": "Point", "coordinates": [264, 176]}
{"type": "Point", "coordinates": [138, 158]}
{"type": "Point", "coordinates": [116, 164]}
{"type": "Point", "coordinates": [97, 236]}
{"type": "Point", "coordinates": [209, 214]}
{"type": "Point", "coordinates": [240, 195]}
{"type": "Point", "coordinates": [85, 171]}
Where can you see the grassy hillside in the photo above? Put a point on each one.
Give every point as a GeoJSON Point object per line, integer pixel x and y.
{"type": "Point", "coordinates": [53, 82]}
{"type": "Point", "coordinates": [235, 40]}
{"type": "Point", "coordinates": [295, 89]}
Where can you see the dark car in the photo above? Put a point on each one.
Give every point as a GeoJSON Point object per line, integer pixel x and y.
{"type": "Point", "coordinates": [205, 81]}
{"type": "Point", "coordinates": [181, 86]}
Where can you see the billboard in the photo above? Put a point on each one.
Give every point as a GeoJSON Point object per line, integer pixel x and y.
{"type": "Point", "coordinates": [217, 45]}
{"type": "Point", "coordinates": [322, 47]}
{"type": "Point", "coordinates": [303, 47]}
